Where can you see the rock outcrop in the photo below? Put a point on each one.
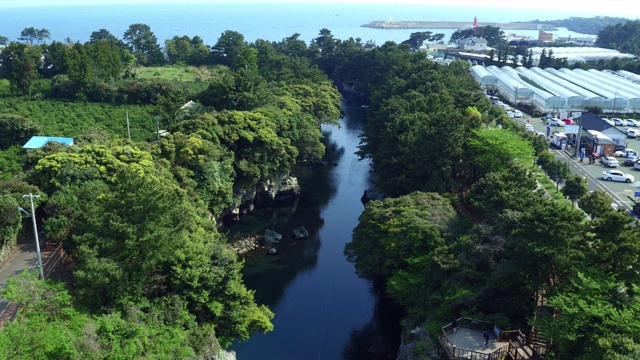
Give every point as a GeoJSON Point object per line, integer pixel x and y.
{"type": "Point", "coordinates": [300, 233]}
{"type": "Point", "coordinates": [271, 237]}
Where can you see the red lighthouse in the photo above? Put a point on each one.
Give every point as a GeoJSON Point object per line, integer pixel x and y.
{"type": "Point", "coordinates": [475, 21]}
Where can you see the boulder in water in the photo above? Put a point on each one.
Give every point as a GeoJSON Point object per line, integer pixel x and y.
{"type": "Point", "coordinates": [300, 233]}
{"type": "Point", "coordinates": [271, 237]}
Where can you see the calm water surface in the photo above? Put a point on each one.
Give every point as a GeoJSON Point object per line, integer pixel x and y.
{"type": "Point", "coordinates": [323, 310]}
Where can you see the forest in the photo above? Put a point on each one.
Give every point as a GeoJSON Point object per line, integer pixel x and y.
{"type": "Point", "coordinates": [464, 228]}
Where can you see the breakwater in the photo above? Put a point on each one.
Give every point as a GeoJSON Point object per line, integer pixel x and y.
{"type": "Point", "coordinates": [394, 24]}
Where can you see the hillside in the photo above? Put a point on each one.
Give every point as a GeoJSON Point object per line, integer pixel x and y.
{"type": "Point", "coordinates": [591, 26]}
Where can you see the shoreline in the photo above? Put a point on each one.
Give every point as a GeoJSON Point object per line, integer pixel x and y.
{"type": "Point", "coordinates": [393, 24]}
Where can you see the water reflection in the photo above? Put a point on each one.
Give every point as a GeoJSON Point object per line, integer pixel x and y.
{"type": "Point", "coordinates": [323, 310]}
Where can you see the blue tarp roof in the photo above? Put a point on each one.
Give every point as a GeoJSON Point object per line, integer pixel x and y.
{"type": "Point", "coordinates": [37, 142]}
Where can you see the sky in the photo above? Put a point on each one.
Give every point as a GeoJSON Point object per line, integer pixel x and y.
{"type": "Point", "coordinates": [625, 8]}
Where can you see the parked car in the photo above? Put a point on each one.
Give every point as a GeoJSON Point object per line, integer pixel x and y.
{"type": "Point", "coordinates": [542, 135]}
{"type": "Point", "coordinates": [517, 113]}
{"type": "Point", "coordinates": [555, 122]}
{"type": "Point", "coordinates": [632, 122]}
{"type": "Point", "coordinates": [633, 133]}
{"type": "Point", "coordinates": [568, 122]}
{"type": "Point", "coordinates": [631, 160]}
{"type": "Point", "coordinates": [529, 127]}
{"type": "Point", "coordinates": [637, 165]}
{"type": "Point", "coordinates": [625, 153]}
{"type": "Point", "coordinates": [618, 122]}
{"type": "Point", "coordinates": [510, 114]}
{"type": "Point", "coordinates": [625, 130]}
{"type": "Point", "coordinates": [615, 175]}
{"type": "Point", "coordinates": [608, 121]}
{"type": "Point", "coordinates": [609, 161]}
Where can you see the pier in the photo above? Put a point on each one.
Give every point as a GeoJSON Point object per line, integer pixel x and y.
{"type": "Point", "coordinates": [394, 24]}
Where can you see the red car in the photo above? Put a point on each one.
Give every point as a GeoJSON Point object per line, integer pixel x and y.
{"type": "Point", "coordinates": [568, 122]}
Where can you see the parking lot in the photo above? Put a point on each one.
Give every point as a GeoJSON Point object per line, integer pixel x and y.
{"type": "Point", "coordinates": [621, 192]}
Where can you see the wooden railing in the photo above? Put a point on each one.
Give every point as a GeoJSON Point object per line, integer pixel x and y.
{"type": "Point", "coordinates": [57, 252]}
{"type": "Point", "coordinates": [454, 352]}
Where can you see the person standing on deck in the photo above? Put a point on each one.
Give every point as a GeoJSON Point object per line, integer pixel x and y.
{"type": "Point", "coordinates": [486, 337]}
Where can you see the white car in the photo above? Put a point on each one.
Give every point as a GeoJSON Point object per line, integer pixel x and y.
{"type": "Point", "coordinates": [625, 130]}
{"type": "Point", "coordinates": [510, 114]}
{"type": "Point", "coordinates": [529, 127]}
{"type": "Point", "coordinates": [555, 122]}
{"type": "Point", "coordinates": [625, 153]}
{"type": "Point", "coordinates": [517, 113]}
{"type": "Point", "coordinates": [609, 161]}
{"type": "Point", "coordinates": [632, 122]}
{"type": "Point", "coordinates": [637, 165]}
{"type": "Point", "coordinates": [608, 121]}
{"type": "Point", "coordinates": [615, 175]}
{"type": "Point", "coordinates": [618, 122]}
{"type": "Point", "coordinates": [633, 133]}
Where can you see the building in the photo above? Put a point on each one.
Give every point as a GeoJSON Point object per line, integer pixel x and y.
{"type": "Point", "coordinates": [474, 44]}
{"type": "Point", "coordinates": [37, 142]}
{"type": "Point", "coordinates": [580, 41]}
{"type": "Point", "coordinates": [545, 36]}
{"type": "Point", "coordinates": [599, 136]}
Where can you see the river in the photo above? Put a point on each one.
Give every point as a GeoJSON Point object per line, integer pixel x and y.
{"type": "Point", "coordinates": [323, 310]}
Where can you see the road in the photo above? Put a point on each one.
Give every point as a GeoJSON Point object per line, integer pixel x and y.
{"type": "Point", "coordinates": [621, 193]}
{"type": "Point", "coordinates": [24, 256]}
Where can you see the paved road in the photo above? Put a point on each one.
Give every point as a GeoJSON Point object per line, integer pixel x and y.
{"type": "Point", "coordinates": [23, 257]}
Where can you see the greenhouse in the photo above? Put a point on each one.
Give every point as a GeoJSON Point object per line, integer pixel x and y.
{"type": "Point", "coordinates": [624, 88]}
{"type": "Point", "coordinates": [575, 102]}
{"type": "Point", "coordinates": [629, 75]}
{"type": "Point", "coordinates": [590, 99]}
{"type": "Point", "coordinates": [552, 90]}
{"type": "Point", "coordinates": [509, 87]}
{"type": "Point", "coordinates": [623, 100]}
{"type": "Point", "coordinates": [484, 77]}
{"type": "Point", "coordinates": [542, 100]}
{"type": "Point", "coordinates": [578, 54]}
{"type": "Point", "coordinates": [589, 84]}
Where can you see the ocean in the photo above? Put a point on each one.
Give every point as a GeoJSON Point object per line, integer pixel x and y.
{"type": "Point", "coordinates": [272, 22]}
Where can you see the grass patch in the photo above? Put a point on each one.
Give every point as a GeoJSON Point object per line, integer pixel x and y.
{"type": "Point", "coordinates": [550, 187]}
{"type": "Point", "coordinates": [175, 73]}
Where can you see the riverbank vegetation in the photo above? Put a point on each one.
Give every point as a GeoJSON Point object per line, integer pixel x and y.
{"type": "Point", "coordinates": [466, 230]}
{"type": "Point", "coordinates": [463, 230]}
{"type": "Point", "coordinates": [147, 273]}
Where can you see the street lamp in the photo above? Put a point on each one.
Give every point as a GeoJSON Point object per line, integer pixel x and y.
{"type": "Point", "coordinates": [614, 102]}
{"type": "Point", "coordinates": [515, 101]}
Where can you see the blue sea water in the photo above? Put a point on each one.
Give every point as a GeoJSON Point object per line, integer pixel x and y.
{"type": "Point", "coordinates": [271, 22]}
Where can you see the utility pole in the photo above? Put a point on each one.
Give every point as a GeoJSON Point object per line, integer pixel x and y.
{"type": "Point", "coordinates": [35, 231]}
{"type": "Point", "coordinates": [128, 130]}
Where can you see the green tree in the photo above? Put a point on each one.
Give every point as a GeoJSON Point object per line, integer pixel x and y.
{"type": "Point", "coordinates": [575, 187]}
{"type": "Point", "coordinates": [16, 130]}
{"type": "Point", "coordinates": [20, 64]}
{"type": "Point", "coordinates": [11, 221]}
{"type": "Point", "coordinates": [558, 171]}
{"type": "Point", "coordinates": [229, 49]}
{"type": "Point", "coordinates": [392, 232]}
{"type": "Point", "coordinates": [144, 44]}
{"type": "Point", "coordinates": [4, 40]}
{"type": "Point", "coordinates": [29, 35]}
{"type": "Point", "coordinates": [596, 203]}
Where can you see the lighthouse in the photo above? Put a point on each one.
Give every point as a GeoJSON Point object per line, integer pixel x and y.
{"type": "Point", "coordinates": [475, 21]}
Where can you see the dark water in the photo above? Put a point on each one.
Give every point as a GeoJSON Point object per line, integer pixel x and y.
{"type": "Point", "coordinates": [323, 310]}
